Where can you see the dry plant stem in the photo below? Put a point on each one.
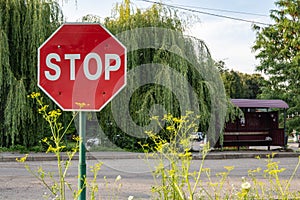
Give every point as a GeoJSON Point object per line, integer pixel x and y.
{"type": "Point", "coordinates": [292, 176]}
{"type": "Point", "coordinates": [204, 153]}
{"type": "Point", "coordinates": [51, 118]}
{"type": "Point", "coordinates": [186, 173]}
{"type": "Point", "coordinates": [39, 178]}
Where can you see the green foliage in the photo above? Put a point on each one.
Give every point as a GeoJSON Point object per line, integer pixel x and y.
{"type": "Point", "coordinates": [174, 51]}
{"type": "Point", "coordinates": [233, 84]}
{"type": "Point", "coordinates": [93, 185]}
{"type": "Point", "coordinates": [125, 17]}
{"type": "Point", "coordinates": [22, 149]}
{"type": "Point", "coordinates": [55, 145]}
{"type": "Point", "coordinates": [57, 187]}
{"type": "Point", "coordinates": [242, 86]}
{"type": "Point", "coordinates": [24, 25]}
{"type": "Point", "coordinates": [275, 187]}
{"type": "Point", "coordinates": [277, 48]}
{"type": "Point", "coordinates": [254, 84]}
{"type": "Point", "coordinates": [175, 180]}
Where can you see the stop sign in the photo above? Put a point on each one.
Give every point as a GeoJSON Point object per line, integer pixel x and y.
{"type": "Point", "coordinates": [81, 64]}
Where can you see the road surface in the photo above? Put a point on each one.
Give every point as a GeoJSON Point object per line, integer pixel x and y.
{"type": "Point", "coordinates": [17, 183]}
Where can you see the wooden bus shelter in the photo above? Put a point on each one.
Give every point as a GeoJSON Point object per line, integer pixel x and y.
{"type": "Point", "coordinates": [258, 127]}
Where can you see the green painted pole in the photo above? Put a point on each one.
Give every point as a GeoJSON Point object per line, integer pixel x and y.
{"type": "Point", "coordinates": [82, 160]}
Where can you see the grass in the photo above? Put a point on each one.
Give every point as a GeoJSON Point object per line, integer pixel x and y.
{"type": "Point", "coordinates": [22, 149]}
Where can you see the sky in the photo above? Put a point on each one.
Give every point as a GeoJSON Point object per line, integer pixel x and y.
{"type": "Point", "coordinates": [227, 40]}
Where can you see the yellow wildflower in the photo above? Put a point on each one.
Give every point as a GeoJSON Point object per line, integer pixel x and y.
{"type": "Point", "coordinates": [170, 128]}
{"type": "Point", "coordinates": [82, 104]}
{"type": "Point", "coordinates": [34, 95]}
{"type": "Point", "coordinates": [43, 109]}
{"type": "Point", "coordinates": [154, 118]}
{"type": "Point", "coordinates": [177, 120]}
{"type": "Point", "coordinates": [54, 113]}
{"type": "Point", "coordinates": [51, 149]}
{"type": "Point", "coordinates": [45, 140]}
{"type": "Point", "coordinates": [257, 170]}
{"type": "Point", "coordinates": [23, 159]}
{"type": "Point", "coordinates": [229, 168]}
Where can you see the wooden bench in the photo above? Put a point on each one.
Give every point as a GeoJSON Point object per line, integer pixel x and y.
{"type": "Point", "coordinates": [239, 139]}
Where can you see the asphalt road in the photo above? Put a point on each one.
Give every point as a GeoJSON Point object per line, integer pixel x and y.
{"type": "Point", "coordinates": [17, 183]}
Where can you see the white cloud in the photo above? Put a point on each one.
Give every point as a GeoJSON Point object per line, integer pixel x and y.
{"type": "Point", "coordinates": [228, 40]}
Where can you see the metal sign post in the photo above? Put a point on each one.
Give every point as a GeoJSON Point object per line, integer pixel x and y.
{"type": "Point", "coordinates": [82, 159]}
{"type": "Point", "coordinates": [64, 74]}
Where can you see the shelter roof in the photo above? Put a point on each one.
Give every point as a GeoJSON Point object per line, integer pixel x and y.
{"type": "Point", "coordinates": [259, 103]}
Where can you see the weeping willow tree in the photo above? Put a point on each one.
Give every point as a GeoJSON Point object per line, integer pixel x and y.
{"type": "Point", "coordinates": [24, 25]}
{"type": "Point", "coordinates": [167, 73]}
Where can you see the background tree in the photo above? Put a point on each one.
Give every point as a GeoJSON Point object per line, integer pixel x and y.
{"type": "Point", "coordinates": [253, 85]}
{"type": "Point", "coordinates": [278, 49]}
{"type": "Point", "coordinates": [233, 84]}
{"type": "Point", "coordinates": [24, 25]}
{"type": "Point", "coordinates": [241, 85]}
{"type": "Point", "coordinates": [127, 18]}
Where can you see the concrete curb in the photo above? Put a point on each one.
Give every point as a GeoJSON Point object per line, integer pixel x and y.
{"type": "Point", "coordinates": [245, 154]}
{"type": "Point", "coordinates": [11, 157]}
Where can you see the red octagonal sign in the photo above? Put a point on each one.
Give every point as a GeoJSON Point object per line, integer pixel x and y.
{"type": "Point", "coordinates": [81, 64]}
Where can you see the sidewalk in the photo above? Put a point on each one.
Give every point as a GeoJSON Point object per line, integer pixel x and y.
{"type": "Point", "coordinates": [261, 151]}
{"type": "Point", "coordinates": [252, 152]}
